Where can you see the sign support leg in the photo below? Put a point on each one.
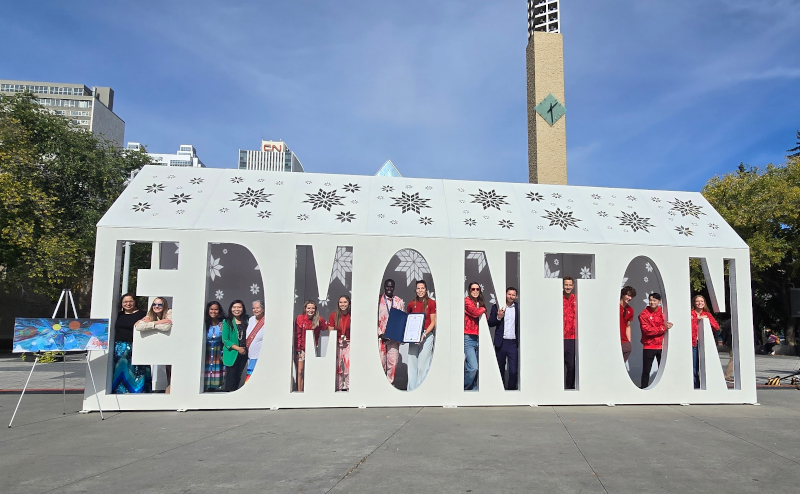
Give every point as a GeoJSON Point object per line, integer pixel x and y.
{"type": "Point", "coordinates": [23, 392]}
{"type": "Point", "coordinates": [96, 396]}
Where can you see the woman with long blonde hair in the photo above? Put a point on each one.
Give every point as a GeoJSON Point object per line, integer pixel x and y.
{"type": "Point", "coordinates": [308, 320]}
{"type": "Point", "coordinates": [699, 311]}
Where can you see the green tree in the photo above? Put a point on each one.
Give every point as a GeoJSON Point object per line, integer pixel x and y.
{"type": "Point", "coordinates": [795, 151]}
{"type": "Point", "coordinates": [763, 206]}
{"type": "Point", "coordinates": [56, 182]}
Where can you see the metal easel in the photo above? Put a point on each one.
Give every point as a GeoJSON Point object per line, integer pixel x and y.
{"type": "Point", "coordinates": [66, 293]}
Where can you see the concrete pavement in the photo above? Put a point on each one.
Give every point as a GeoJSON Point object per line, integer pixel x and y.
{"type": "Point", "coordinates": [731, 449]}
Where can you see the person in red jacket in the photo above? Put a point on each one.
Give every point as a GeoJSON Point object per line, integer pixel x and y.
{"type": "Point", "coordinates": [308, 320]}
{"type": "Point", "coordinates": [699, 311]}
{"type": "Point", "coordinates": [653, 326]}
{"type": "Point", "coordinates": [570, 306]}
{"type": "Point", "coordinates": [474, 308]}
{"type": "Point", "coordinates": [625, 318]}
{"type": "Point", "coordinates": [339, 320]}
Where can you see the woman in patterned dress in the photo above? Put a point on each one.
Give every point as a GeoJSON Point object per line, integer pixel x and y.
{"type": "Point", "coordinates": [339, 320]}
{"type": "Point", "coordinates": [213, 375]}
{"type": "Point", "coordinates": [128, 378]}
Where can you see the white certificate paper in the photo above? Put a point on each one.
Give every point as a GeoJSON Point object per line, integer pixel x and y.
{"type": "Point", "coordinates": [414, 328]}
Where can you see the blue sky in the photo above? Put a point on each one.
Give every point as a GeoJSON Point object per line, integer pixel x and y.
{"type": "Point", "coordinates": [659, 94]}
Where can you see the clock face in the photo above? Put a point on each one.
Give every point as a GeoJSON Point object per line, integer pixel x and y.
{"type": "Point", "coordinates": [550, 109]}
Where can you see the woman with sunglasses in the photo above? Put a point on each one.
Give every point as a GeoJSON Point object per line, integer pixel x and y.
{"type": "Point", "coordinates": [474, 308]}
{"type": "Point", "coordinates": [158, 318]}
{"type": "Point", "coordinates": [234, 345]}
{"type": "Point", "coordinates": [128, 378]}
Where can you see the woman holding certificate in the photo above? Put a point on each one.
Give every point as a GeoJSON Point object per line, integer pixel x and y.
{"type": "Point", "coordinates": [419, 354]}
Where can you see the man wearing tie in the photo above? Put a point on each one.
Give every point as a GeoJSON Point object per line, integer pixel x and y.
{"type": "Point", "coordinates": [506, 337]}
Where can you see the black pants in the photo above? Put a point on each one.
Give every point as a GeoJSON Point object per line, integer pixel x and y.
{"type": "Point", "coordinates": [234, 375]}
{"type": "Point", "coordinates": [569, 364]}
{"type": "Point", "coordinates": [508, 350]}
{"type": "Point", "coordinates": [647, 363]}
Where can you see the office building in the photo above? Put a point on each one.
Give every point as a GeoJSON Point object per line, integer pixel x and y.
{"type": "Point", "coordinates": [273, 156]}
{"type": "Point", "coordinates": [186, 156]}
{"type": "Point", "coordinates": [388, 170]}
{"type": "Point", "coordinates": [89, 109]}
{"type": "Point", "coordinates": [547, 131]}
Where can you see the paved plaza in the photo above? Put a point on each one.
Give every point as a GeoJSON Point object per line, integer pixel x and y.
{"type": "Point", "coordinates": [637, 449]}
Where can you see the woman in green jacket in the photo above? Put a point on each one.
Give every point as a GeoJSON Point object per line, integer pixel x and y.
{"type": "Point", "coordinates": [234, 351]}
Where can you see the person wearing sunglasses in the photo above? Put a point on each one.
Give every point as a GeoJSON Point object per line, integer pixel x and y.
{"type": "Point", "coordinates": [158, 318]}
{"type": "Point", "coordinates": [474, 308]}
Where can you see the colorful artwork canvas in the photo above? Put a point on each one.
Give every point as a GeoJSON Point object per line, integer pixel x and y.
{"type": "Point", "coordinates": [47, 335]}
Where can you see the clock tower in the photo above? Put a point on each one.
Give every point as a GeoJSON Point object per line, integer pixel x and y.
{"type": "Point", "coordinates": [547, 135]}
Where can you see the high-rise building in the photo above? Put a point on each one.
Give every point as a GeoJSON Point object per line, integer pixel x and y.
{"type": "Point", "coordinates": [186, 156]}
{"type": "Point", "coordinates": [388, 170]}
{"type": "Point", "coordinates": [273, 156]}
{"type": "Point", "coordinates": [90, 109]}
{"type": "Point", "coordinates": [547, 131]}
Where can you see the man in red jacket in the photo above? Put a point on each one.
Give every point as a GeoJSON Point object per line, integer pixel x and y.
{"type": "Point", "coordinates": [625, 317]}
{"type": "Point", "coordinates": [570, 316]}
{"type": "Point", "coordinates": [653, 326]}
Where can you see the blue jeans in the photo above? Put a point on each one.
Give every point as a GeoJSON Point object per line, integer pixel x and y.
{"type": "Point", "coordinates": [695, 367]}
{"type": "Point", "coordinates": [419, 361]}
{"type": "Point", "coordinates": [470, 362]}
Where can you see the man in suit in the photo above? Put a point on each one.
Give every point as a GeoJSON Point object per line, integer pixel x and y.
{"type": "Point", "coordinates": [506, 337]}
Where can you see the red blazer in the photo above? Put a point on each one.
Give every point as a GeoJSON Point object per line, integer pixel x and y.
{"type": "Point", "coordinates": [711, 320]}
{"type": "Point", "coordinates": [653, 328]}
{"type": "Point", "coordinates": [344, 325]}
{"type": "Point", "coordinates": [472, 315]}
{"type": "Point", "coordinates": [301, 325]}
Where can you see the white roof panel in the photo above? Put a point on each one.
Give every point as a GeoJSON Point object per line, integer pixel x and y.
{"type": "Point", "coordinates": [247, 200]}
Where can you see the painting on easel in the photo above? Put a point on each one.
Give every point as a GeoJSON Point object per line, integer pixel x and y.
{"type": "Point", "coordinates": [47, 335]}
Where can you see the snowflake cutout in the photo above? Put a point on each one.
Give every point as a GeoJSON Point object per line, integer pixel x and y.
{"type": "Point", "coordinates": [561, 218]}
{"type": "Point", "coordinates": [302, 217]}
{"type": "Point", "coordinates": [602, 214]}
{"type": "Point", "coordinates": [586, 273]}
{"type": "Point", "coordinates": [197, 181]}
{"type": "Point", "coordinates": [380, 198]}
{"type": "Point", "coordinates": [686, 208]}
{"type": "Point", "coordinates": [353, 202]}
{"type": "Point", "coordinates": [179, 187]}
{"type": "Point", "coordinates": [219, 294]}
{"type": "Point", "coordinates": [264, 214]}
{"type": "Point", "coordinates": [635, 221]}
{"type": "Point", "coordinates": [348, 216]}
{"type": "Point", "coordinates": [324, 200]}
{"type": "Point", "coordinates": [251, 197]}
{"type": "Point", "coordinates": [409, 186]}
{"type": "Point", "coordinates": [461, 201]}
{"type": "Point", "coordinates": [646, 279]}
{"type": "Point", "coordinates": [387, 188]}
{"type": "Point", "coordinates": [671, 213]}
{"type": "Point", "coordinates": [429, 188]}
{"type": "Point", "coordinates": [224, 210]}
{"type": "Point", "coordinates": [534, 196]}
{"type": "Point", "coordinates": [460, 189]}
{"type": "Point", "coordinates": [381, 215]}
{"type": "Point", "coordinates": [237, 180]}
{"type": "Point", "coordinates": [713, 226]}
{"type": "Point", "coordinates": [551, 274]}
{"type": "Point", "coordinates": [556, 195]}
{"type": "Point", "coordinates": [155, 188]}
{"type": "Point", "coordinates": [352, 188]}
{"type": "Point", "coordinates": [342, 264]}
{"type": "Point", "coordinates": [279, 182]}
{"type": "Point", "coordinates": [489, 199]}
{"type": "Point", "coordinates": [484, 217]}
{"type": "Point", "coordinates": [308, 182]}
{"type": "Point", "coordinates": [425, 220]}
{"type": "Point", "coordinates": [648, 267]}
{"type": "Point", "coordinates": [261, 180]}
{"type": "Point", "coordinates": [556, 262]}
{"type": "Point", "coordinates": [469, 222]}
{"type": "Point", "coordinates": [180, 211]}
{"type": "Point", "coordinates": [631, 198]}
{"type": "Point", "coordinates": [596, 197]}
{"type": "Point", "coordinates": [254, 289]}
{"type": "Point", "coordinates": [327, 184]}
{"type": "Point", "coordinates": [682, 230]}
{"type": "Point", "coordinates": [141, 207]}
{"type": "Point", "coordinates": [224, 251]}
{"type": "Point", "coordinates": [412, 264]}
{"type": "Point", "coordinates": [506, 224]}
{"type": "Point", "coordinates": [214, 267]}
{"type": "Point", "coordinates": [180, 198]}
{"type": "Point", "coordinates": [170, 177]}
{"type": "Point", "coordinates": [655, 199]}
{"type": "Point", "coordinates": [393, 222]}
{"type": "Point", "coordinates": [410, 202]}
